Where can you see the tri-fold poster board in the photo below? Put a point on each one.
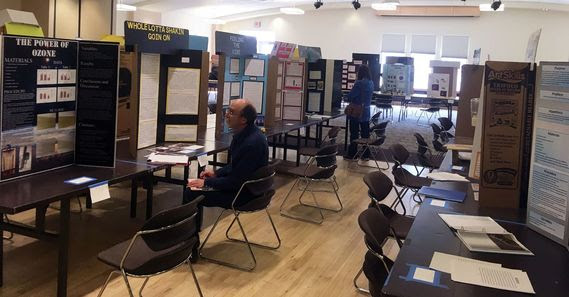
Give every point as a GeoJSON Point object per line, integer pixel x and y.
{"type": "Point", "coordinates": [324, 86]}
{"type": "Point", "coordinates": [291, 96]}
{"type": "Point", "coordinates": [58, 104]}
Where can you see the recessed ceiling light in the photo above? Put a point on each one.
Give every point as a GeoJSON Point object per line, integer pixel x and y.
{"type": "Point", "coordinates": [292, 10]}
{"type": "Point", "coordinates": [125, 7]}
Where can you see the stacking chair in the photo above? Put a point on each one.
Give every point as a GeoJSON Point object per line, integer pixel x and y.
{"type": "Point", "coordinates": [439, 148]}
{"type": "Point", "coordinates": [434, 107]}
{"type": "Point", "coordinates": [437, 130]}
{"type": "Point", "coordinates": [319, 168]}
{"type": "Point", "coordinates": [373, 144]}
{"type": "Point", "coordinates": [329, 139]}
{"type": "Point", "coordinates": [376, 265]}
{"type": "Point", "coordinates": [379, 186]}
{"type": "Point", "coordinates": [165, 242]}
{"type": "Point", "coordinates": [446, 125]}
{"type": "Point", "coordinates": [260, 186]}
{"type": "Point", "coordinates": [425, 156]}
{"type": "Point", "coordinates": [405, 179]}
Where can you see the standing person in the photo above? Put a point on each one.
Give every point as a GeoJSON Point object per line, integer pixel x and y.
{"type": "Point", "coordinates": [360, 94]}
{"type": "Point", "coordinates": [249, 151]}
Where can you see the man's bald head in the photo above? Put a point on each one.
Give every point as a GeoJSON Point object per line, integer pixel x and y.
{"type": "Point", "coordinates": [241, 113]}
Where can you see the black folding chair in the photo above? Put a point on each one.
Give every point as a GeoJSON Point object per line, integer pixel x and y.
{"type": "Point", "coordinates": [373, 145]}
{"type": "Point", "coordinates": [425, 156]}
{"type": "Point", "coordinates": [446, 125]}
{"type": "Point", "coordinates": [329, 139]}
{"type": "Point", "coordinates": [405, 179]}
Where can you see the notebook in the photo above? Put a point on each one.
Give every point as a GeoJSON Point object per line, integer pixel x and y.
{"type": "Point", "coordinates": [449, 195]}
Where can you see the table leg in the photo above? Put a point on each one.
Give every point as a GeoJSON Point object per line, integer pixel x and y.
{"type": "Point", "coordinates": [298, 148]}
{"type": "Point", "coordinates": [306, 135]}
{"type": "Point", "coordinates": [88, 201]}
{"type": "Point", "coordinates": [187, 171]}
{"type": "Point", "coordinates": [449, 111]}
{"type": "Point", "coordinates": [285, 145]}
{"type": "Point", "coordinates": [40, 218]}
{"type": "Point", "coordinates": [149, 194]}
{"type": "Point", "coordinates": [274, 146]}
{"type": "Point", "coordinates": [214, 162]}
{"type": "Point", "coordinates": [1, 252]}
{"type": "Point", "coordinates": [63, 257]}
{"type": "Point", "coordinates": [133, 197]}
{"type": "Point", "coordinates": [168, 172]}
{"type": "Point", "coordinates": [346, 136]}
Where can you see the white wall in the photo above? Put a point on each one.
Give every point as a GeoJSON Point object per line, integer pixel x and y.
{"type": "Point", "coordinates": [182, 19]}
{"type": "Point", "coordinates": [140, 15]}
{"type": "Point", "coordinates": [339, 32]}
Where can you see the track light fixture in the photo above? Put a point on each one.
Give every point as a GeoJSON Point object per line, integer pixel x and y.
{"type": "Point", "coordinates": [496, 4]}
{"type": "Point", "coordinates": [318, 4]}
{"type": "Point", "coordinates": [356, 4]}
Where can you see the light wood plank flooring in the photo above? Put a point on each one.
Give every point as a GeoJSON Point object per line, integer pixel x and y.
{"type": "Point", "coordinates": [314, 260]}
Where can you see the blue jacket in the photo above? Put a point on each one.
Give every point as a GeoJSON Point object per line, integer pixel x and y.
{"type": "Point", "coordinates": [249, 151]}
{"type": "Point", "coordinates": [361, 93]}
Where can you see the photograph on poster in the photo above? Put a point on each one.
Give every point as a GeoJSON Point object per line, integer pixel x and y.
{"type": "Point", "coordinates": [253, 91]}
{"type": "Point", "coordinates": [65, 94]}
{"type": "Point", "coordinates": [357, 62]}
{"type": "Point", "coordinates": [292, 113]}
{"type": "Point", "coordinates": [311, 85]}
{"type": "Point", "coordinates": [234, 66]}
{"type": "Point", "coordinates": [350, 85]}
{"type": "Point", "coordinates": [46, 76]}
{"type": "Point", "coordinates": [254, 67]}
{"type": "Point", "coordinates": [66, 76]}
{"type": "Point", "coordinates": [46, 121]}
{"type": "Point", "coordinates": [181, 133]}
{"type": "Point", "coordinates": [235, 89]}
{"type": "Point", "coordinates": [293, 98]}
{"type": "Point", "coordinates": [352, 76]}
{"type": "Point", "coordinates": [66, 119]}
{"type": "Point", "coordinates": [345, 66]}
{"type": "Point", "coordinates": [314, 101]}
{"type": "Point", "coordinates": [320, 86]}
{"type": "Point", "coordinates": [46, 95]}
{"type": "Point", "coordinates": [226, 92]}
{"type": "Point", "coordinates": [293, 82]}
{"type": "Point", "coordinates": [294, 68]}
{"type": "Point", "coordinates": [351, 68]}
{"type": "Point", "coordinates": [315, 75]}
{"type": "Point", "coordinates": [182, 91]}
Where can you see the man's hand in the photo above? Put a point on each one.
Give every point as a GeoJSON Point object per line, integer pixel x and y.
{"type": "Point", "coordinates": [207, 173]}
{"type": "Point", "coordinates": [195, 183]}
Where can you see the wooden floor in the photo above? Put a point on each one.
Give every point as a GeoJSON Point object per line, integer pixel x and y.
{"type": "Point", "coordinates": [314, 260]}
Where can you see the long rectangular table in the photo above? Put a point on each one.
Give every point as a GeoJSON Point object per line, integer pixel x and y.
{"type": "Point", "coordinates": [548, 270]}
{"type": "Point", "coordinates": [40, 190]}
{"type": "Point", "coordinates": [404, 101]}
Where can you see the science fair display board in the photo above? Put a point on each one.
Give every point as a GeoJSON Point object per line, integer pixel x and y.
{"type": "Point", "coordinates": [291, 84]}
{"type": "Point", "coordinates": [58, 104]}
{"type": "Point", "coordinates": [324, 86]}
{"type": "Point", "coordinates": [374, 64]}
{"type": "Point", "coordinates": [398, 76]}
{"type": "Point", "coordinates": [548, 195]}
{"type": "Point", "coordinates": [172, 85]}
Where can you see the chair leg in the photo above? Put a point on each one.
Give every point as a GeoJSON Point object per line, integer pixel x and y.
{"type": "Point", "coordinates": [374, 155]}
{"type": "Point", "coordinates": [107, 282]}
{"type": "Point", "coordinates": [291, 216]}
{"type": "Point", "coordinates": [245, 268]}
{"type": "Point", "coordinates": [127, 284]}
{"type": "Point", "coordinates": [142, 287]}
{"type": "Point", "coordinates": [331, 182]}
{"type": "Point", "coordinates": [356, 282]}
{"type": "Point", "coordinates": [400, 199]}
{"type": "Point", "coordinates": [9, 237]}
{"type": "Point", "coordinates": [195, 278]}
{"type": "Point", "coordinates": [254, 243]}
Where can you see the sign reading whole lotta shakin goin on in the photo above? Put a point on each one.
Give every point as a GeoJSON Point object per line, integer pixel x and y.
{"type": "Point", "coordinates": [151, 38]}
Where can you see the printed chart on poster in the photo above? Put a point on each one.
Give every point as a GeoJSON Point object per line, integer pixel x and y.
{"type": "Point", "coordinates": [38, 104]}
{"type": "Point", "coordinates": [293, 90]}
{"type": "Point", "coordinates": [548, 197]}
{"type": "Point", "coordinates": [183, 91]}
{"type": "Point", "coordinates": [148, 105]}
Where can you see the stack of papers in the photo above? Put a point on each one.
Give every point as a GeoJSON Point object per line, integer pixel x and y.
{"type": "Point", "coordinates": [482, 273]}
{"type": "Point", "coordinates": [167, 159]}
{"type": "Point", "coordinates": [446, 176]}
{"type": "Point", "coordinates": [483, 234]}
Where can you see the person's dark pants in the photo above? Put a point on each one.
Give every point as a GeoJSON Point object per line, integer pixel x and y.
{"type": "Point", "coordinates": [212, 199]}
{"type": "Point", "coordinates": [357, 128]}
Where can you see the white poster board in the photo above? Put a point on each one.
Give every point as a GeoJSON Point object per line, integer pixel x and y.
{"type": "Point", "coordinates": [148, 104]}
{"type": "Point", "coordinates": [253, 91]}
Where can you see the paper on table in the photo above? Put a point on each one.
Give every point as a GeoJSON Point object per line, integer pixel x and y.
{"type": "Point", "coordinates": [99, 192]}
{"type": "Point", "coordinates": [226, 92]}
{"type": "Point", "coordinates": [293, 98]}
{"type": "Point", "coordinates": [253, 91]}
{"type": "Point", "coordinates": [193, 147]}
{"type": "Point", "coordinates": [459, 168]}
{"type": "Point", "coordinates": [202, 160]}
{"type": "Point", "coordinates": [505, 243]}
{"type": "Point", "coordinates": [492, 277]}
{"type": "Point", "coordinates": [315, 75]}
{"type": "Point", "coordinates": [445, 262]}
{"type": "Point", "coordinates": [182, 91]}
{"type": "Point", "coordinates": [437, 202]}
{"type": "Point", "coordinates": [168, 159]}
{"type": "Point", "coordinates": [472, 223]}
{"type": "Point", "coordinates": [234, 66]}
{"type": "Point", "coordinates": [441, 175]}
{"type": "Point", "coordinates": [181, 133]}
{"type": "Point", "coordinates": [254, 67]}
{"type": "Point", "coordinates": [423, 274]}
{"type": "Point", "coordinates": [314, 101]}
{"type": "Point", "coordinates": [80, 180]}
{"type": "Point", "coordinates": [235, 89]}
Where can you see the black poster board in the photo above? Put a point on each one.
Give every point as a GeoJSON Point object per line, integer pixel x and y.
{"type": "Point", "coordinates": [151, 38]}
{"type": "Point", "coordinates": [235, 45]}
{"type": "Point", "coordinates": [316, 86]}
{"type": "Point", "coordinates": [185, 59]}
{"type": "Point", "coordinates": [97, 103]}
{"type": "Point", "coordinates": [310, 53]}
{"type": "Point", "coordinates": [337, 87]}
{"type": "Point", "coordinates": [38, 104]}
{"type": "Point", "coordinates": [374, 64]}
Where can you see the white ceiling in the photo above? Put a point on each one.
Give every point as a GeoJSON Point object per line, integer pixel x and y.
{"type": "Point", "coordinates": [224, 8]}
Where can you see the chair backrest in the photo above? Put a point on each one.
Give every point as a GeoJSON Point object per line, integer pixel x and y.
{"type": "Point", "coordinates": [261, 181]}
{"type": "Point", "coordinates": [436, 131]}
{"type": "Point", "coordinates": [333, 133]}
{"type": "Point", "coordinates": [375, 227]}
{"type": "Point", "coordinates": [400, 154]}
{"type": "Point", "coordinates": [375, 118]}
{"type": "Point", "coordinates": [422, 145]}
{"type": "Point", "coordinates": [326, 156]}
{"type": "Point", "coordinates": [446, 123]}
{"type": "Point", "coordinates": [439, 147]}
{"type": "Point", "coordinates": [380, 128]}
{"type": "Point", "coordinates": [379, 185]}
{"type": "Point", "coordinates": [174, 226]}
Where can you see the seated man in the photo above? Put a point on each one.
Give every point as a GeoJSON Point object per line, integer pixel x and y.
{"type": "Point", "coordinates": [249, 151]}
